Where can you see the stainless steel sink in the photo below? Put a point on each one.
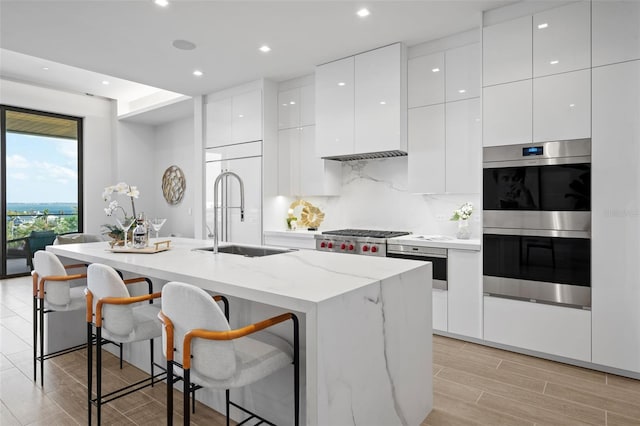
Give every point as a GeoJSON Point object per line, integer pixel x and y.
{"type": "Point", "coordinates": [248, 251]}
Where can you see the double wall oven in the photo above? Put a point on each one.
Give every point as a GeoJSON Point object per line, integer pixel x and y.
{"type": "Point", "coordinates": [537, 222]}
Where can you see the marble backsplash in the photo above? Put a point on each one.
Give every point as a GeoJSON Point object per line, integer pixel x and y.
{"type": "Point", "coordinates": [375, 196]}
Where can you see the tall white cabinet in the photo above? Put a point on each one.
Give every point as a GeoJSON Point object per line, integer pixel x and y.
{"type": "Point", "coordinates": [615, 215]}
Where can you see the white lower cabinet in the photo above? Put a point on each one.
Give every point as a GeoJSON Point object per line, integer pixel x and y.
{"type": "Point", "coordinates": [465, 293]}
{"type": "Point", "coordinates": [554, 330]}
{"type": "Point", "coordinates": [439, 306]}
{"type": "Point", "coordinates": [290, 239]}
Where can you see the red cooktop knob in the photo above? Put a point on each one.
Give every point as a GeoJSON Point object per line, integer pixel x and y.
{"type": "Point", "coordinates": [350, 246]}
{"type": "Point", "coordinates": [365, 248]}
{"type": "Point", "coordinates": [374, 249]}
{"type": "Point", "coordinates": [330, 245]}
{"type": "Point", "coordinates": [323, 244]}
{"type": "Point", "coordinates": [343, 246]}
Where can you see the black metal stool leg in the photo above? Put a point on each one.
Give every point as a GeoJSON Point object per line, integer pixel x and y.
{"type": "Point", "coordinates": [41, 342]}
{"type": "Point", "coordinates": [226, 395]}
{"type": "Point", "coordinates": [186, 378]}
{"type": "Point", "coordinates": [120, 344]}
{"type": "Point", "coordinates": [99, 373]}
{"type": "Point", "coordinates": [89, 369]}
{"type": "Point", "coordinates": [169, 393]}
{"type": "Point", "coordinates": [35, 337]}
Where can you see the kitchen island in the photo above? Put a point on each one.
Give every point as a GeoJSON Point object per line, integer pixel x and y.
{"type": "Point", "coordinates": [366, 352]}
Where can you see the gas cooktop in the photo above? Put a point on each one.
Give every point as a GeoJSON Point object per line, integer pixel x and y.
{"type": "Point", "coordinates": [366, 233]}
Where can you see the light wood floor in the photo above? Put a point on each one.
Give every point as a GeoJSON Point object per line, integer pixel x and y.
{"type": "Point", "coordinates": [473, 385]}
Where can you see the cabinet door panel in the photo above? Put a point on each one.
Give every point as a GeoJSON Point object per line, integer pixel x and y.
{"type": "Point", "coordinates": [288, 150]}
{"type": "Point", "coordinates": [562, 106]}
{"type": "Point", "coordinates": [463, 147]}
{"type": "Point", "coordinates": [426, 161]}
{"type": "Point", "coordinates": [289, 109]}
{"type": "Point", "coordinates": [247, 117]}
{"type": "Point", "coordinates": [334, 108]}
{"type": "Point", "coordinates": [616, 31]}
{"type": "Point", "coordinates": [506, 51]}
{"type": "Point", "coordinates": [465, 293]}
{"type": "Point", "coordinates": [377, 99]}
{"type": "Point", "coordinates": [426, 80]}
{"type": "Point", "coordinates": [317, 176]}
{"type": "Point", "coordinates": [616, 223]}
{"type": "Point", "coordinates": [507, 114]}
{"type": "Point", "coordinates": [463, 72]}
{"type": "Point", "coordinates": [307, 106]}
{"type": "Point", "coordinates": [562, 39]}
{"type": "Point", "coordinates": [218, 124]}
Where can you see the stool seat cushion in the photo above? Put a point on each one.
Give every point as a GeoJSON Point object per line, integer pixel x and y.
{"type": "Point", "coordinates": [145, 325]}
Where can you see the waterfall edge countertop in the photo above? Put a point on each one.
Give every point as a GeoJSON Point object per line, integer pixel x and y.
{"type": "Point", "coordinates": [365, 324]}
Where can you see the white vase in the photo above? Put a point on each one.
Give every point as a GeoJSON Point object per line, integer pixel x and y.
{"type": "Point", "coordinates": [464, 232]}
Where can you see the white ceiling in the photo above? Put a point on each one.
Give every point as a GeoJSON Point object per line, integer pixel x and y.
{"type": "Point", "coordinates": [132, 40]}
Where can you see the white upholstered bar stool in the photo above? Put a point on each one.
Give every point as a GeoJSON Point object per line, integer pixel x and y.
{"type": "Point", "coordinates": [120, 318]}
{"type": "Point", "coordinates": [53, 292]}
{"type": "Point", "coordinates": [201, 347]}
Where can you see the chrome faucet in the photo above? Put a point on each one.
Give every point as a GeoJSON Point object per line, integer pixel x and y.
{"type": "Point", "coordinates": [215, 205]}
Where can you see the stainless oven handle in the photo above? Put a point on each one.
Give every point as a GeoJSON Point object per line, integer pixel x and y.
{"type": "Point", "coordinates": [420, 251]}
{"type": "Point", "coordinates": [538, 232]}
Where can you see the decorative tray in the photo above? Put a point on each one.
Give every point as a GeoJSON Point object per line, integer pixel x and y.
{"type": "Point", "coordinates": [155, 248]}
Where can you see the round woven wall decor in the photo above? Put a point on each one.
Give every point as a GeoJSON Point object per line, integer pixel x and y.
{"type": "Point", "coordinates": [173, 184]}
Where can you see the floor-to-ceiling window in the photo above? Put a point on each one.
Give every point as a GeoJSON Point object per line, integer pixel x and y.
{"type": "Point", "coordinates": [41, 181]}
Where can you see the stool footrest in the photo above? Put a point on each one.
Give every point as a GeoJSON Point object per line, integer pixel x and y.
{"type": "Point", "coordinates": [119, 393]}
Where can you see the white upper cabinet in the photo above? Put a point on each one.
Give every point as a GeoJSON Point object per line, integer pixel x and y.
{"type": "Point", "coordinates": [307, 105]}
{"type": "Point", "coordinates": [463, 72]}
{"type": "Point", "coordinates": [289, 109]}
{"type": "Point", "coordinates": [463, 146]}
{"type": "Point", "coordinates": [235, 119]}
{"type": "Point", "coordinates": [380, 101]}
{"type": "Point", "coordinates": [317, 177]}
{"type": "Point", "coordinates": [507, 114]}
{"type": "Point", "coordinates": [562, 106]}
{"type": "Point", "coordinates": [616, 31]}
{"type": "Point", "coordinates": [426, 80]}
{"type": "Point", "coordinates": [507, 51]}
{"type": "Point", "coordinates": [246, 122]}
{"type": "Point", "coordinates": [426, 162]}
{"type": "Point", "coordinates": [361, 103]}
{"type": "Point", "coordinates": [562, 39]}
{"type": "Point", "coordinates": [334, 108]}
{"type": "Point", "coordinates": [218, 124]}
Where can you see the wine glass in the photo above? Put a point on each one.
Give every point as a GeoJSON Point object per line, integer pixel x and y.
{"type": "Point", "coordinates": [125, 225]}
{"type": "Point", "coordinates": [156, 224]}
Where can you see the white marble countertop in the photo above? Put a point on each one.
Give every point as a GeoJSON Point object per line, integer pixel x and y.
{"type": "Point", "coordinates": [298, 233]}
{"type": "Point", "coordinates": [440, 241]}
{"type": "Point", "coordinates": [296, 280]}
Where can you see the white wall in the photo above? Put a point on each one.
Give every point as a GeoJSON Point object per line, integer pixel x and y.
{"type": "Point", "coordinates": [174, 145]}
{"type": "Point", "coordinates": [98, 155]}
{"type": "Point", "coordinates": [375, 195]}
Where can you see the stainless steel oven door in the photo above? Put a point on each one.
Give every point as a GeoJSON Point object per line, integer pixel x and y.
{"type": "Point", "coordinates": [543, 266]}
{"type": "Point", "coordinates": [437, 257]}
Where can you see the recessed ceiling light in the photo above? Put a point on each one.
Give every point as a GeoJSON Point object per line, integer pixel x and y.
{"type": "Point", "coordinates": [292, 103]}
{"type": "Point", "coordinates": [105, 82]}
{"type": "Point", "coordinates": [363, 12]}
{"type": "Point", "coordinates": [342, 83]}
{"type": "Point", "coordinates": [543, 26]}
{"type": "Point", "coordinates": [383, 102]}
{"type": "Point", "coordinates": [163, 3]}
{"type": "Point", "coordinates": [45, 68]}
{"type": "Point", "coordinates": [435, 69]}
{"type": "Point", "coordinates": [555, 61]}
{"type": "Point", "coordinates": [240, 115]}
{"type": "Point", "coordinates": [265, 48]}
{"type": "Point", "coordinates": [183, 44]}
{"type": "Point", "coordinates": [198, 73]}
{"type": "Point", "coordinates": [572, 105]}
{"type": "Point", "coordinates": [462, 91]}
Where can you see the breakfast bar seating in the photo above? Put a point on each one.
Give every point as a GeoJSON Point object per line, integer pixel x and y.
{"type": "Point", "coordinates": [120, 318]}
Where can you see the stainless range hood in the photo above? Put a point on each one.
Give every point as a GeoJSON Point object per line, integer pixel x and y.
{"type": "Point", "coordinates": [367, 156]}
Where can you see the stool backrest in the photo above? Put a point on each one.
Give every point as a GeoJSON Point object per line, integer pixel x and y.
{"type": "Point", "coordinates": [190, 307]}
{"type": "Point", "coordinates": [47, 264]}
{"type": "Point", "coordinates": [103, 281]}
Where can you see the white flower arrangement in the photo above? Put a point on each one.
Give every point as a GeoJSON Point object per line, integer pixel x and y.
{"type": "Point", "coordinates": [120, 188]}
{"type": "Point", "coordinates": [463, 213]}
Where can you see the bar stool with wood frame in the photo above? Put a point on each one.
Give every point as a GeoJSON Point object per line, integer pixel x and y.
{"type": "Point", "coordinates": [212, 355]}
{"type": "Point", "coordinates": [111, 311]}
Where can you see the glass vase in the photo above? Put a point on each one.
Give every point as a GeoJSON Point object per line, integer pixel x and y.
{"type": "Point", "coordinates": [464, 232]}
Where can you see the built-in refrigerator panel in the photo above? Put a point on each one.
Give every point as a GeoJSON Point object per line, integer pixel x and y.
{"type": "Point", "coordinates": [245, 160]}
